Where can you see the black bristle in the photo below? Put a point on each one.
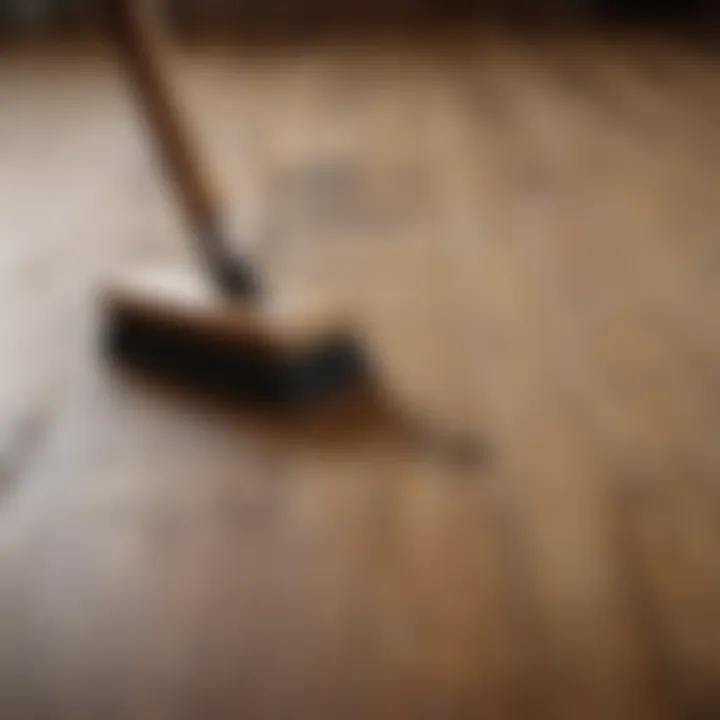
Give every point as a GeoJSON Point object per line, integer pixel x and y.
{"type": "Point", "coordinates": [223, 368]}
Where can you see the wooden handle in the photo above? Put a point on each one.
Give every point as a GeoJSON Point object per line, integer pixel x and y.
{"type": "Point", "coordinates": [139, 44]}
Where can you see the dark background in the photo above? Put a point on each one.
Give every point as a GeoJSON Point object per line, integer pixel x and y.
{"type": "Point", "coordinates": [29, 16]}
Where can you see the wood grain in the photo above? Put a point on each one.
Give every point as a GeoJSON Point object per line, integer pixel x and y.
{"type": "Point", "coordinates": [527, 230]}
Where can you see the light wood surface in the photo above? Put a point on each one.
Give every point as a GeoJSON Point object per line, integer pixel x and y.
{"type": "Point", "coordinates": [528, 230]}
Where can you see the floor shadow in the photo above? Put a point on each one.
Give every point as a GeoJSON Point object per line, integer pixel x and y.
{"type": "Point", "coordinates": [369, 418]}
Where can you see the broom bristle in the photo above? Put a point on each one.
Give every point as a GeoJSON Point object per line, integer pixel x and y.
{"type": "Point", "coordinates": [241, 352]}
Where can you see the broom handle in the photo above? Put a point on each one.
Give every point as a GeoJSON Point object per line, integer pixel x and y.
{"type": "Point", "coordinates": [139, 45]}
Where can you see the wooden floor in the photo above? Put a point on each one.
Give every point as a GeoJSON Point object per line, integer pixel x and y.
{"type": "Point", "coordinates": [529, 233]}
